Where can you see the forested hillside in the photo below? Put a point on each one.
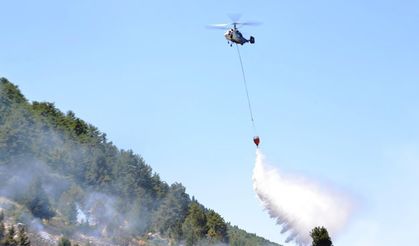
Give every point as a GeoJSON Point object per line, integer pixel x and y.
{"type": "Point", "coordinates": [60, 175]}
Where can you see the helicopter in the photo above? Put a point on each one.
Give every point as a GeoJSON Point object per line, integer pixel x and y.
{"type": "Point", "coordinates": [233, 35]}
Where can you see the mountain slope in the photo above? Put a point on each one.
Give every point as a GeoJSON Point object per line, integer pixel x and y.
{"type": "Point", "coordinates": [72, 181]}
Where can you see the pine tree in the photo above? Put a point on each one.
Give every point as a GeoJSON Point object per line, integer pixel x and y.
{"type": "Point", "coordinates": [9, 239]}
{"type": "Point", "coordinates": [217, 228]}
{"type": "Point", "coordinates": [170, 215]}
{"type": "Point", "coordinates": [68, 207]}
{"type": "Point", "coordinates": [64, 242]}
{"type": "Point", "coordinates": [22, 237]}
{"type": "Point", "coordinates": [195, 226]}
{"type": "Point", "coordinates": [2, 228]}
{"type": "Point", "coordinates": [2, 232]}
{"type": "Point", "coordinates": [320, 237]}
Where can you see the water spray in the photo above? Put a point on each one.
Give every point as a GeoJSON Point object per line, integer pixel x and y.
{"type": "Point", "coordinates": [298, 204]}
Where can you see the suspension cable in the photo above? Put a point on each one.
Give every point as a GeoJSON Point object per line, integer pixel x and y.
{"type": "Point", "coordinates": [247, 91]}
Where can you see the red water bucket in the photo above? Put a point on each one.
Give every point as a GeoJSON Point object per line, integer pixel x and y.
{"type": "Point", "coordinates": [256, 140]}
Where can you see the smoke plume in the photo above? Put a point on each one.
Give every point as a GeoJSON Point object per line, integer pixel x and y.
{"type": "Point", "coordinates": [297, 204]}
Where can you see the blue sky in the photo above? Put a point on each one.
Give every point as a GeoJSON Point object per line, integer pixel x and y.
{"type": "Point", "coordinates": [334, 88]}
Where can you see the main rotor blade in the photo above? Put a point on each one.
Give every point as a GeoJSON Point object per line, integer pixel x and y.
{"type": "Point", "coordinates": [219, 26]}
{"type": "Point", "coordinates": [249, 23]}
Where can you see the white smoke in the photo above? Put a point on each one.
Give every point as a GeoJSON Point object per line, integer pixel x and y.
{"type": "Point", "coordinates": [298, 204]}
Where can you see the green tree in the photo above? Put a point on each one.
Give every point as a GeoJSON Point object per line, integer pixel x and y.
{"type": "Point", "coordinates": [217, 228]}
{"type": "Point", "coordinates": [139, 215]}
{"type": "Point", "coordinates": [64, 242]}
{"type": "Point", "coordinates": [239, 237]}
{"type": "Point", "coordinates": [16, 135]}
{"type": "Point", "coordinates": [10, 96]}
{"type": "Point", "coordinates": [171, 213]}
{"type": "Point", "coordinates": [320, 237]}
{"type": "Point", "coordinates": [195, 226]}
{"type": "Point", "coordinates": [68, 207]}
{"type": "Point", "coordinates": [2, 228]}
{"type": "Point", "coordinates": [2, 232]}
{"type": "Point", "coordinates": [9, 238]}
{"type": "Point", "coordinates": [22, 237]}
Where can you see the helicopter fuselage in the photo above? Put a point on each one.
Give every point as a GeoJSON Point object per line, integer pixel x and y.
{"type": "Point", "coordinates": [234, 35]}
